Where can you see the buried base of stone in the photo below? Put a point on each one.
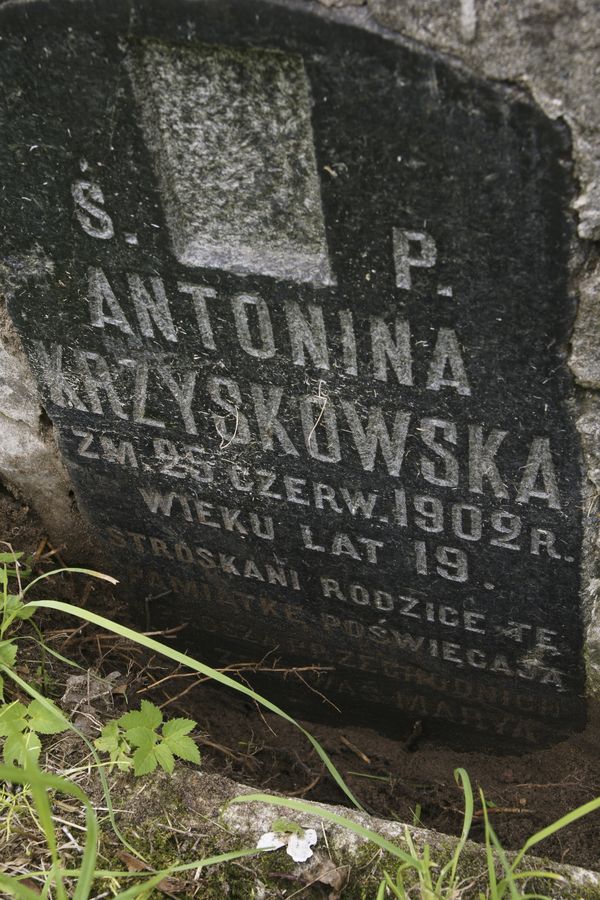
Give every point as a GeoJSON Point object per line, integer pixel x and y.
{"type": "Point", "coordinates": [189, 816]}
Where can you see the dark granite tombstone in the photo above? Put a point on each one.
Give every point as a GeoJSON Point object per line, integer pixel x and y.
{"type": "Point", "coordinates": [295, 293]}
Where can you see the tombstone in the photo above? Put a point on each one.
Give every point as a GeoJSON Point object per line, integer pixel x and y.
{"type": "Point", "coordinates": [295, 294]}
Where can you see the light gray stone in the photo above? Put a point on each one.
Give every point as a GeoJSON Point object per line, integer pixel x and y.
{"type": "Point", "coordinates": [225, 826]}
{"type": "Point", "coordinates": [232, 129]}
{"type": "Point", "coordinates": [30, 462]}
{"type": "Point", "coordinates": [585, 350]}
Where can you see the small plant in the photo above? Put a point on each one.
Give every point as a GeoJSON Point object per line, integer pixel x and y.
{"type": "Point", "coordinates": [12, 607]}
{"type": "Point", "coordinates": [21, 725]}
{"type": "Point", "coordinates": [156, 743]}
{"type": "Point", "coordinates": [140, 729]}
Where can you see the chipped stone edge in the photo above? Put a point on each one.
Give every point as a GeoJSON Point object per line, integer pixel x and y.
{"type": "Point", "coordinates": [31, 467]}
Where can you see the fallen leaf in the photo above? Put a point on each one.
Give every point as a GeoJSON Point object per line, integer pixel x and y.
{"type": "Point", "coordinates": [322, 870]}
{"type": "Point", "coordinates": [168, 885]}
{"type": "Point", "coordinates": [334, 876]}
{"type": "Point", "coordinates": [132, 862]}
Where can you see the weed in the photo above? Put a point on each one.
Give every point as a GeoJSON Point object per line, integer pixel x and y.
{"type": "Point", "coordinates": [195, 665]}
{"type": "Point", "coordinates": [21, 725]}
{"type": "Point", "coordinates": [140, 729]}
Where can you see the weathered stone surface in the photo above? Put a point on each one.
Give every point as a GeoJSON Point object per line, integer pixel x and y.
{"type": "Point", "coordinates": [549, 46]}
{"type": "Point", "coordinates": [232, 130]}
{"type": "Point", "coordinates": [202, 805]}
{"type": "Point", "coordinates": [30, 464]}
{"type": "Point", "coordinates": [585, 349]}
{"type": "Point", "coordinates": [308, 371]}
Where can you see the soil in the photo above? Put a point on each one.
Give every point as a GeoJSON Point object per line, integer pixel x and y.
{"type": "Point", "coordinates": [411, 781]}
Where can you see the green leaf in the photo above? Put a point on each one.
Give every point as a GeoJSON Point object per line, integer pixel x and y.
{"type": "Point", "coordinates": [174, 736]}
{"type": "Point", "coordinates": [183, 747]}
{"type": "Point", "coordinates": [21, 748]}
{"type": "Point", "coordinates": [12, 602]}
{"type": "Point", "coordinates": [15, 608]}
{"type": "Point", "coordinates": [45, 720]}
{"type": "Point", "coordinates": [144, 761]}
{"type": "Point", "coordinates": [286, 827]}
{"type": "Point", "coordinates": [1, 688]}
{"type": "Point", "coordinates": [10, 557]}
{"type": "Point", "coordinates": [164, 757]}
{"type": "Point", "coordinates": [143, 738]}
{"type": "Point", "coordinates": [12, 718]}
{"type": "Point", "coordinates": [111, 741]}
{"type": "Point", "coordinates": [108, 741]}
{"type": "Point", "coordinates": [8, 653]}
{"type": "Point", "coordinates": [129, 720]}
{"type": "Point", "coordinates": [177, 727]}
{"type": "Point", "coordinates": [149, 716]}
{"type": "Point", "coordinates": [24, 612]}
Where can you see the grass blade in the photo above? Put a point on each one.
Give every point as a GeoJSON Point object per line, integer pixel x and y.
{"type": "Point", "coordinates": [393, 888]}
{"type": "Point", "coordinates": [381, 890]}
{"type": "Point", "coordinates": [489, 854]}
{"type": "Point", "coordinates": [71, 570]}
{"type": "Point", "coordinates": [90, 853]}
{"type": "Point", "coordinates": [175, 869]}
{"type": "Point", "coordinates": [568, 819]}
{"type": "Point", "coordinates": [461, 777]}
{"type": "Point", "coordinates": [39, 783]}
{"type": "Point", "coordinates": [46, 649]}
{"type": "Point", "coordinates": [34, 778]}
{"type": "Point", "coordinates": [540, 874]}
{"type": "Point", "coordinates": [154, 880]}
{"type": "Point", "coordinates": [508, 880]}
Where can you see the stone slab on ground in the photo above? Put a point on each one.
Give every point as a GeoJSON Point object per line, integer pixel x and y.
{"type": "Point", "coordinates": [199, 804]}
